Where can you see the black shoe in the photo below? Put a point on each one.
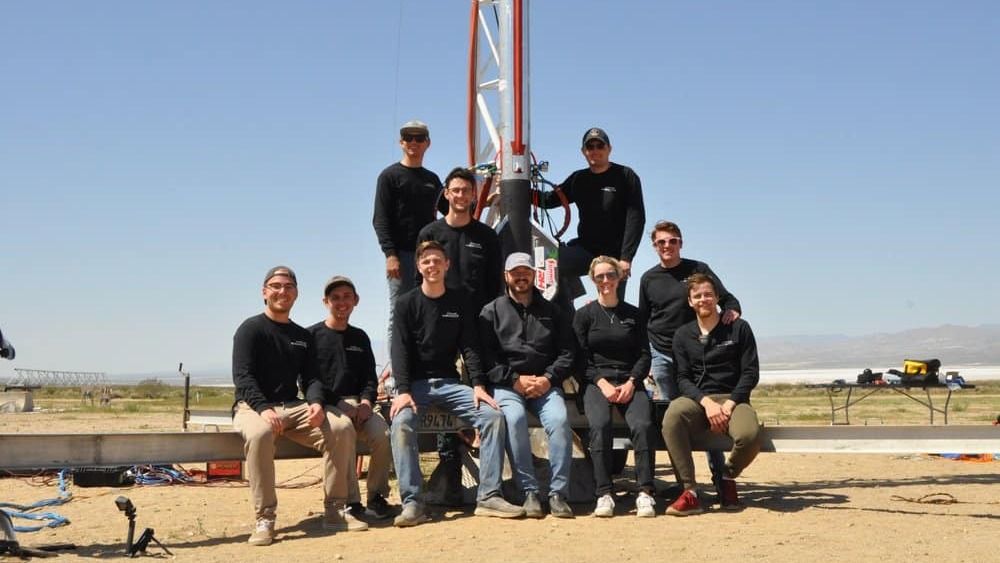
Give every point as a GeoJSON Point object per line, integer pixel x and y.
{"type": "Point", "coordinates": [558, 506]}
{"type": "Point", "coordinates": [378, 508]}
{"type": "Point", "coordinates": [532, 506]}
{"type": "Point", "coordinates": [356, 509]}
{"type": "Point", "coordinates": [672, 493]}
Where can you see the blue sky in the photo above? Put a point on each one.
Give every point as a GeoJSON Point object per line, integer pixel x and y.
{"type": "Point", "coordinates": [835, 162]}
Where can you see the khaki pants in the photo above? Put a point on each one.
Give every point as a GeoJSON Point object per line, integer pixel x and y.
{"type": "Point", "coordinates": [375, 434]}
{"type": "Point", "coordinates": [334, 438]}
{"type": "Point", "coordinates": [685, 422]}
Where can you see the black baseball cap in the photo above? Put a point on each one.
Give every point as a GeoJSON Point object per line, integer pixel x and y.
{"type": "Point", "coordinates": [595, 133]}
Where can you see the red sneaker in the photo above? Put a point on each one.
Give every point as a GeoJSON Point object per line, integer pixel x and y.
{"type": "Point", "coordinates": [685, 505]}
{"type": "Point", "coordinates": [727, 495]}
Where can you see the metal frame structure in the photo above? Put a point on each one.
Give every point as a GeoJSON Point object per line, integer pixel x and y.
{"type": "Point", "coordinates": [498, 111]}
{"type": "Point", "coordinates": [36, 378]}
{"type": "Point", "coordinates": [499, 132]}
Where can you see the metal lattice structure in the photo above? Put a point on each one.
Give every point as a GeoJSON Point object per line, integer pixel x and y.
{"type": "Point", "coordinates": [35, 378]}
{"type": "Point", "coordinates": [499, 134]}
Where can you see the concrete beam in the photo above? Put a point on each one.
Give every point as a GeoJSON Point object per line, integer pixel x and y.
{"type": "Point", "coordinates": [20, 452]}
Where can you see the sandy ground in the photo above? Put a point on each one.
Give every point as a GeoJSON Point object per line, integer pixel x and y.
{"type": "Point", "coordinates": [799, 508]}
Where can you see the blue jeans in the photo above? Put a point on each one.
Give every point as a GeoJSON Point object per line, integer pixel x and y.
{"type": "Point", "coordinates": [398, 286]}
{"type": "Point", "coordinates": [665, 378]}
{"type": "Point", "coordinates": [456, 398]}
{"type": "Point", "coordinates": [662, 371]}
{"type": "Point", "coordinates": [550, 409]}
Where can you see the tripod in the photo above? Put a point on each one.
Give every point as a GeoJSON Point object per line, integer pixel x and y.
{"type": "Point", "coordinates": [132, 549]}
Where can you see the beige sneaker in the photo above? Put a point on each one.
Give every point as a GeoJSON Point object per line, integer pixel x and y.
{"type": "Point", "coordinates": [263, 532]}
{"type": "Point", "coordinates": [340, 519]}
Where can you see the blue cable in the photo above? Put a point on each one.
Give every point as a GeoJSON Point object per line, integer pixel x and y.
{"type": "Point", "coordinates": [156, 475]}
{"type": "Point", "coordinates": [28, 511]}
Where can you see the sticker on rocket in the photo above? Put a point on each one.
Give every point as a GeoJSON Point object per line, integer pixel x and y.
{"type": "Point", "coordinates": [548, 278]}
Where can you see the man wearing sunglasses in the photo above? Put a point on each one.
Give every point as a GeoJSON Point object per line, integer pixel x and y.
{"type": "Point", "coordinates": [405, 197]}
{"type": "Point", "coordinates": [663, 301]}
{"type": "Point", "coordinates": [273, 359]}
{"type": "Point", "coordinates": [608, 198]}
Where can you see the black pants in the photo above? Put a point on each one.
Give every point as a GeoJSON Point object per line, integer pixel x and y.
{"type": "Point", "coordinates": [639, 417]}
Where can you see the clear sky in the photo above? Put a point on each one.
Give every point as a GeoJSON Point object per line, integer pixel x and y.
{"type": "Point", "coordinates": [837, 163]}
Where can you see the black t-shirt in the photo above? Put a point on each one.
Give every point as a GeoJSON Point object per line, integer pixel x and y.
{"type": "Point", "coordinates": [663, 300]}
{"type": "Point", "coordinates": [612, 341]}
{"type": "Point", "coordinates": [346, 363]}
{"type": "Point", "coordinates": [612, 213]}
{"type": "Point", "coordinates": [269, 359]}
{"type": "Point", "coordinates": [429, 333]}
{"type": "Point", "coordinates": [474, 255]}
{"type": "Point", "coordinates": [405, 199]}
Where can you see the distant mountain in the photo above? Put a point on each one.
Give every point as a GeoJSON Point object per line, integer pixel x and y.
{"type": "Point", "coordinates": [953, 345]}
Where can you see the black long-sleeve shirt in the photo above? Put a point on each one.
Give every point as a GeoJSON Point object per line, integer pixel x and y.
{"type": "Point", "coordinates": [613, 342]}
{"type": "Point", "coordinates": [537, 339]}
{"type": "Point", "coordinates": [663, 300]}
{"type": "Point", "coordinates": [270, 359]}
{"type": "Point", "coordinates": [404, 202]}
{"type": "Point", "coordinates": [428, 334]}
{"type": "Point", "coordinates": [474, 253]}
{"type": "Point", "coordinates": [725, 363]}
{"type": "Point", "coordinates": [612, 213]}
{"type": "Point", "coordinates": [346, 363]}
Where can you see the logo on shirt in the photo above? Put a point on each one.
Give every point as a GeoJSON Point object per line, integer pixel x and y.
{"type": "Point", "coordinates": [299, 343]}
{"type": "Point", "coordinates": [450, 315]}
{"type": "Point", "coordinates": [627, 322]}
{"type": "Point", "coordinates": [609, 189]}
{"type": "Point", "coordinates": [726, 343]}
{"type": "Point", "coordinates": [354, 349]}
{"type": "Point", "coordinates": [473, 244]}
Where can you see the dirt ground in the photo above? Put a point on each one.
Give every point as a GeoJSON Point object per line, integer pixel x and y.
{"type": "Point", "coordinates": [799, 507]}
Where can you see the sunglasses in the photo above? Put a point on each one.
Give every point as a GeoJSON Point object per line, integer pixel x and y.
{"type": "Point", "coordinates": [280, 286]}
{"type": "Point", "coordinates": [672, 241]}
{"type": "Point", "coordinates": [610, 276]}
{"type": "Point", "coordinates": [594, 146]}
{"type": "Point", "coordinates": [414, 138]}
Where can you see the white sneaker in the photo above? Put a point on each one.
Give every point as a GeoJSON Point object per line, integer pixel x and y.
{"type": "Point", "coordinates": [605, 507]}
{"type": "Point", "coordinates": [263, 533]}
{"type": "Point", "coordinates": [645, 505]}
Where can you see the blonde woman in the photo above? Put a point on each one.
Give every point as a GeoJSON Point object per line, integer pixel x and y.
{"type": "Point", "coordinates": [613, 343]}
